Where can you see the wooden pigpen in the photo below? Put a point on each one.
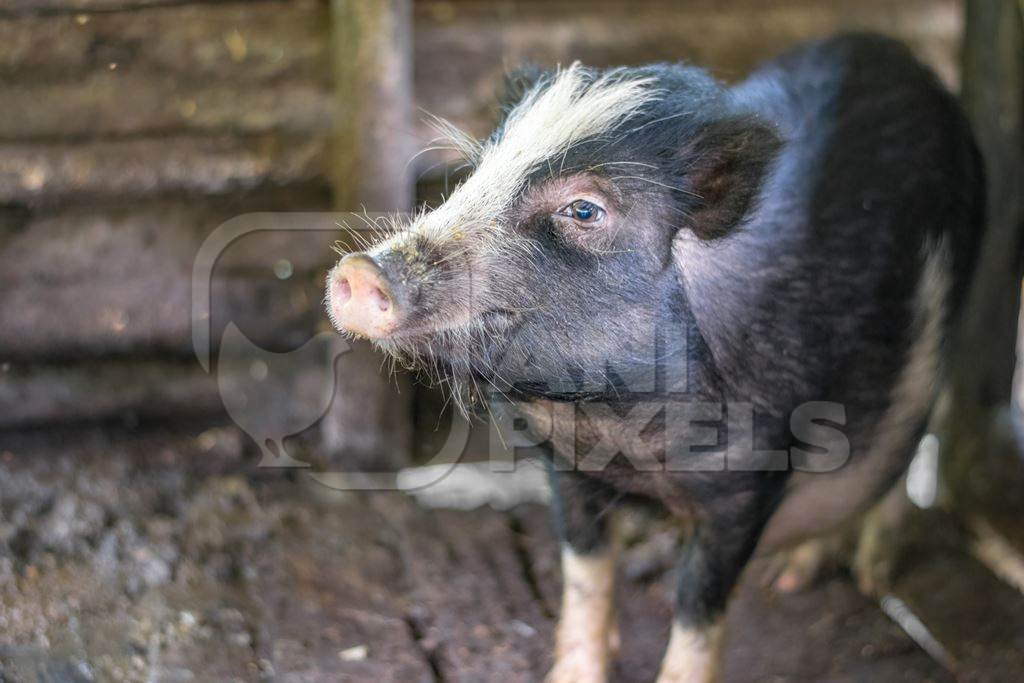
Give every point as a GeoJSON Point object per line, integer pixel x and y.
{"type": "Point", "coordinates": [141, 540]}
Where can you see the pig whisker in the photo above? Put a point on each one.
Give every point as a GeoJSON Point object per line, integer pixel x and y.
{"type": "Point", "coordinates": [425, 150]}
{"type": "Point", "coordinates": [655, 182]}
{"type": "Point", "coordinates": [521, 309]}
{"type": "Point", "coordinates": [377, 224]}
{"type": "Point", "coordinates": [677, 210]}
{"type": "Point", "coordinates": [362, 241]}
{"type": "Point", "coordinates": [393, 224]}
{"type": "Point", "coordinates": [571, 145]}
{"type": "Point", "coordinates": [610, 505]}
{"type": "Point", "coordinates": [431, 167]}
{"type": "Point", "coordinates": [462, 142]}
{"type": "Point", "coordinates": [353, 234]}
{"type": "Point", "coordinates": [620, 163]}
{"type": "Point", "coordinates": [365, 218]}
{"type": "Point", "coordinates": [450, 257]}
{"type": "Point", "coordinates": [653, 122]}
{"type": "Point", "coordinates": [609, 252]}
{"type": "Point", "coordinates": [448, 400]}
{"type": "Point", "coordinates": [565, 153]}
{"type": "Point", "coordinates": [490, 414]}
{"type": "Point", "coordinates": [385, 361]}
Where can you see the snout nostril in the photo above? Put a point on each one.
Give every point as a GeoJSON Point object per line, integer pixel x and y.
{"type": "Point", "coordinates": [343, 290]}
{"type": "Point", "coordinates": [361, 298]}
{"type": "Point", "coordinates": [379, 299]}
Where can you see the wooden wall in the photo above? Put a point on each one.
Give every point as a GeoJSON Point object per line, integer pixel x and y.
{"type": "Point", "coordinates": [130, 129]}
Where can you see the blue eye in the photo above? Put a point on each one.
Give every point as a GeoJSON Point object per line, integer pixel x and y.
{"type": "Point", "coordinates": [583, 211]}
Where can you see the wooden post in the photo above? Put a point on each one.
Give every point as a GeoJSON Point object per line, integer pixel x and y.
{"type": "Point", "coordinates": [372, 55]}
{"type": "Point", "coordinates": [982, 464]}
{"type": "Point", "coordinates": [369, 424]}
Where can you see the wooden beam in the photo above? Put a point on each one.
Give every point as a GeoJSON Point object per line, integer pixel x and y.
{"type": "Point", "coordinates": [372, 56]}
{"type": "Point", "coordinates": [983, 465]}
{"type": "Point", "coordinates": [369, 423]}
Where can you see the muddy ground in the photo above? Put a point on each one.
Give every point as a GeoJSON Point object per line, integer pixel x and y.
{"type": "Point", "coordinates": [170, 557]}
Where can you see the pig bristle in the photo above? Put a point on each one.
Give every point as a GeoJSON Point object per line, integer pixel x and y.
{"type": "Point", "coordinates": [467, 146]}
{"type": "Point", "coordinates": [572, 106]}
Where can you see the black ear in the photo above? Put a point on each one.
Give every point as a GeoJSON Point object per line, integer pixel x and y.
{"type": "Point", "coordinates": [517, 83]}
{"type": "Point", "coordinates": [724, 166]}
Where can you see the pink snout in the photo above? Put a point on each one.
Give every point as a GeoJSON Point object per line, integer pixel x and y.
{"type": "Point", "coordinates": [361, 299]}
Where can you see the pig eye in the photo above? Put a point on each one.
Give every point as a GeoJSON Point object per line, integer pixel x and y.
{"type": "Point", "coordinates": [583, 211]}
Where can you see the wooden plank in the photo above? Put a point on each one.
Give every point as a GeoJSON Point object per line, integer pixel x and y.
{"type": "Point", "coordinates": [241, 67]}
{"type": "Point", "coordinates": [36, 395]}
{"type": "Point", "coordinates": [268, 397]}
{"type": "Point", "coordinates": [463, 48]}
{"type": "Point", "coordinates": [117, 102]}
{"type": "Point", "coordinates": [119, 241]}
{"type": "Point", "coordinates": [178, 92]}
{"type": "Point", "coordinates": [229, 43]}
{"type": "Point", "coordinates": [118, 279]}
{"type": "Point", "coordinates": [58, 173]}
{"type": "Point", "coordinates": [152, 315]}
{"type": "Point", "coordinates": [461, 51]}
{"type": "Point", "coordinates": [19, 7]}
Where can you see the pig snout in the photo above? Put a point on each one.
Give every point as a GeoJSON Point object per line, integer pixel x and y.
{"type": "Point", "coordinates": [363, 299]}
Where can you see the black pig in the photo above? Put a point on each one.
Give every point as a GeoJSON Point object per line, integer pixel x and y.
{"type": "Point", "coordinates": [730, 302]}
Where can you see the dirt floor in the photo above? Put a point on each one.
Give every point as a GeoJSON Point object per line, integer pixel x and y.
{"type": "Point", "coordinates": [170, 557]}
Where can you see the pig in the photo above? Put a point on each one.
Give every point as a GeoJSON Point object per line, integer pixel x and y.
{"type": "Point", "coordinates": [732, 303]}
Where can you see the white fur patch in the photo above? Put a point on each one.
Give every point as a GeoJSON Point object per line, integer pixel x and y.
{"type": "Point", "coordinates": [586, 624]}
{"type": "Point", "coordinates": [915, 390]}
{"type": "Point", "coordinates": [692, 655]}
{"type": "Point", "coordinates": [550, 119]}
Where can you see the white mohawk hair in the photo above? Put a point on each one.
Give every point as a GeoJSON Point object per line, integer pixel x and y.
{"type": "Point", "coordinates": [553, 116]}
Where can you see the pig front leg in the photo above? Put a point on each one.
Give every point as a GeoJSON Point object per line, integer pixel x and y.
{"type": "Point", "coordinates": [708, 570]}
{"type": "Point", "coordinates": [586, 632]}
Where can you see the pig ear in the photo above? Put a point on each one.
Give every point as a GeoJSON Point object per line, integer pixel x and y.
{"type": "Point", "coordinates": [516, 84]}
{"type": "Point", "coordinates": [724, 167]}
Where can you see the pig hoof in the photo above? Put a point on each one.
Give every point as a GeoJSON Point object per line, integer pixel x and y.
{"type": "Point", "coordinates": [801, 567]}
{"type": "Point", "coordinates": [877, 545]}
{"type": "Point", "coordinates": [692, 655]}
{"type": "Point", "coordinates": [872, 568]}
{"type": "Point", "coordinates": [579, 666]}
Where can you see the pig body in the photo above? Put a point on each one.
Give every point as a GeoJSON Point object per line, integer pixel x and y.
{"type": "Point", "coordinates": [730, 302]}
